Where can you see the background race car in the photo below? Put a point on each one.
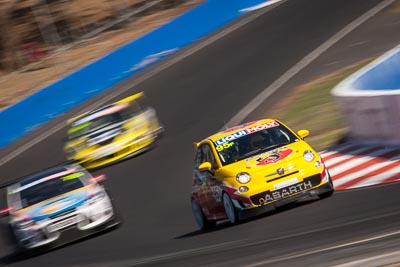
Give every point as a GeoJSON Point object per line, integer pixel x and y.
{"type": "Point", "coordinates": [113, 132]}
{"type": "Point", "coordinates": [58, 205]}
{"type": "Point", "coordinates": [253, 168]}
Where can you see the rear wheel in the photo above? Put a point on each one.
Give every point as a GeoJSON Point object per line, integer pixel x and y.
{"type": "Point", "coordinates": [201, 219]}
{"type": "Point", "coordinates": [230, 209]}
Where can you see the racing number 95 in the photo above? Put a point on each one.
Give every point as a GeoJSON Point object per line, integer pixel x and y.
{"type": "Point", "coordinates": [224, 146]}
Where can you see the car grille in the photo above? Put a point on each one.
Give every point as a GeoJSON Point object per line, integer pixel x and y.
{"type": "Point", "coordinates": [268, 196]}
{"type": "Point", "coordinates": [282, 176]}
{"type": "Point", "coordinates": [62, 221]}
{"type": "Point", "coordinates": [63, 214]}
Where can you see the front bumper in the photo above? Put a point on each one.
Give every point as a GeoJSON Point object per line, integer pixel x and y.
{"type": "Point", "coordinates": [75, 223]}
{"type": "Point", "coordinates": [261, 209]}
{"type": "Point", "coordinates": [117, 151]}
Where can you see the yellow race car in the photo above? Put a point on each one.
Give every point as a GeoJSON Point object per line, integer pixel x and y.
{"type": "Point", "coordinates": [113, 132]}
{"type": "Point", "coordinates": [254, 168]}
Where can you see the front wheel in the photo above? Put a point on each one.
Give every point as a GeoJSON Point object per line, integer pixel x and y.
{"type": "Point", "coordinates": [201, 219]}
{"type": "Point", "coordinates": [230, 209]}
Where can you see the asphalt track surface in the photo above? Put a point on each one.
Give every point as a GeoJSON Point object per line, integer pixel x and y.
{"type": "Point", "coordinates": [194, 98]}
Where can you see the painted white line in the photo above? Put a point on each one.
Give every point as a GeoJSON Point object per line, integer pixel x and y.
{"type": "Point", "coordinates": [384, 259]}
{"type": "Point", "coordinates": [267, 92]}
{"type": "Point", "coordinates": [168, 256]}
{"type": "Point", "coordinates": [168, 63]}
{"type": "Point", "coordinates": [358, 43]}
{"type": "Point", "coordinates": [259, 6]}
{"type": "Point", "coordinates": [358, 242]}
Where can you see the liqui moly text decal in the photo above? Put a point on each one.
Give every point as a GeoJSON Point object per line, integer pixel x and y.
{"type": "Point", "coordinates": [245, 132]}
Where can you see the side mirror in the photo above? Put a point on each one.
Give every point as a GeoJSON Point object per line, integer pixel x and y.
{"type": "Point", "coordinates": [205, 166]}
{"type": "Point", "coordinates": [98, 179]}
{"type": "Point", "coordinates": [303, 133]}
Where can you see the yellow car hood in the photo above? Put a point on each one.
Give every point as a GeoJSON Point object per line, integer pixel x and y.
{"type": "Point", "coordinates": [264, 166]}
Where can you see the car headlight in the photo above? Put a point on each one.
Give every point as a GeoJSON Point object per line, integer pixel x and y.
{"type": "Point", "coordinates": [96, 197]}
{"type": "Point", "coordinates": [308, 155]}
{"type": "Point", "coordinates": [243, 177]}
{"type": "Point", "coordinates": [24, 225]}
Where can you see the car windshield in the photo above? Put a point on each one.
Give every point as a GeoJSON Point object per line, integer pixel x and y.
{"type": "Point", "coordinates": [233, 149]}
{"type": "Point", "coordinates": [103, 118]}
{"type": "Point", "coordinates": [93, 125]}
{"type": "Point", "coordinates": [41, 189]}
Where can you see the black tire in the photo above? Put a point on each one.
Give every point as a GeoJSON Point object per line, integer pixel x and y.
{"type": "Point", "coordinates": [200, 218]}
{"type": "Point", "coordinates": [230, 209]}
{"type": "Point", "coordinates": [331, 191]}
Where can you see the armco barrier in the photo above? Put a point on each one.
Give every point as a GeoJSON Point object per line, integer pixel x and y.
{"type": "Point", "coordinates": [19, 119]}
{"type": "Point", "coordinates": [370, 100]}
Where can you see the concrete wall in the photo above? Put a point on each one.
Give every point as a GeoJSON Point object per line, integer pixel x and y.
{"type": "Point", "coordinates": [370, 100]}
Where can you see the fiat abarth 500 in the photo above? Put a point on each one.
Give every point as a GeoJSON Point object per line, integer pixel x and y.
{"type": "Point", "coordinates": [56, 206]}
{"type": "Point", "coordinates": [254, 168]}
{"type": "Point", "coordinates": [113, 132]}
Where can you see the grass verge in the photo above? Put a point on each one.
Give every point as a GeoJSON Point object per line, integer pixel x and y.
{"type": "Point", "coordinates": [311, 106]}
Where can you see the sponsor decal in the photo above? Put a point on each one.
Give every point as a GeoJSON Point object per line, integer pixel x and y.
{"type": "Point", "coordinates": [277, 155]}
{"type": "Point", "coordinates": [50, 209]}
{"type": "Point", "coordinates": [79, 127]}
{"type": "Point", "coordinates": [286, 183]}
{"type": "Point", "coordinates": [217, 192]}
{"type": "Point", "coordinates": [41, 180]}
{"type": "Point", "coordinates": [244, 132]}
{"type": "Point", "coordinates": [285, 192]}
{"type": "Point", "coordinates": [224, 146]}
{"type": "Point", "coordinates": [73, 176]}
{"type": "Point", "coordinates": [239, 127]}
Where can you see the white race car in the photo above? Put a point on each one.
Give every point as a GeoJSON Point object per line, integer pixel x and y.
{"type": "Point", "coordinates": [58, 205]}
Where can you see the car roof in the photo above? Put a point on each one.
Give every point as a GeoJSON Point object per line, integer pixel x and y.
{"type": "Point", "coordinates": [104, 110]}
{"type": "Point", "coordinates": [241, 127]}
{"type": "Point", "coordinates": [41, 176]}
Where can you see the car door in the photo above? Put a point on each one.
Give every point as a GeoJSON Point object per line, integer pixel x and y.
{"type": "Point", "coordinates": [214, 185]}
{"type": "Point", "coordinates": [204, 182]}
{"type": "Point", "coordinates": [199, 182]}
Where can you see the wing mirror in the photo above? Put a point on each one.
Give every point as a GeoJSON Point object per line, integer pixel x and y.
{"type": "Point", "coordinates": [98, 178]}
{"type": "Point", "coordinates": [303, 133]}
{"type": "Point", "coordinates": [205, 166]}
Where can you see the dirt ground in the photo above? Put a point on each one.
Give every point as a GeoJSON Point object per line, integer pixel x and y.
{"type": "Point", "coordinates": [17, 85]}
